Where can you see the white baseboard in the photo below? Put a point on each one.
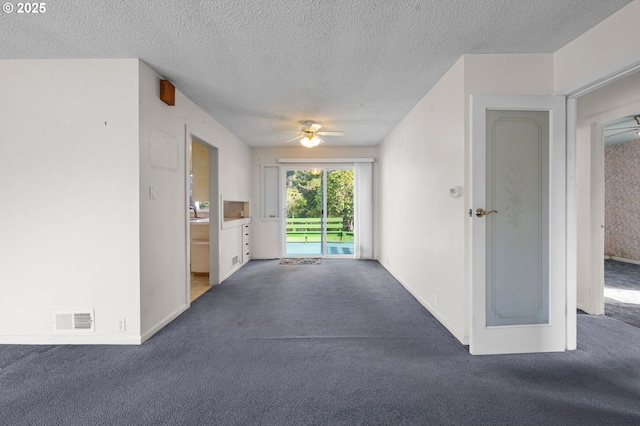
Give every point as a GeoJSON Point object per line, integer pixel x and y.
{"type": "Point", "coordinates": [70, 340]}
{"type": "Point", "coordinates": [622, 259]}
{"type": "Point", "coordinates": [159, 326]}
{"type": "Point", "coordinates": [453, 330]}
{"type": "Point", "coordinates": [146, 336]}
{"type": "Point", "coordinates": [233, 270]}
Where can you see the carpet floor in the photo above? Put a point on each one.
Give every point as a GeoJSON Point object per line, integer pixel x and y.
{"type": "Point", "coordinates": [622, 291]}
{"type": "Point", "coordinates": [342, 343]}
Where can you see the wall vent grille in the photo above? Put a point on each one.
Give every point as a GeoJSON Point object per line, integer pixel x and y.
{"type": "Point", "coordinates": [73, 321]}
{"type": "Point", "coordinates": [234, 260]}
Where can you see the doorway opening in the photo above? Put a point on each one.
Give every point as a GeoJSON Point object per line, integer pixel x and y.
{"type": "Point", "coordinates": [621, 232]}
{"type": "Point", "coordinates": [598, 123]}
{"type": "Point", "coordinates": [319, 212]}
{"type": "Point", "coordinates": [203, 217]}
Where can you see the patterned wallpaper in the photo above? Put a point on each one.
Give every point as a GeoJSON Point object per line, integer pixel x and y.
{"type": "Point", "coordinates": [622, 200]}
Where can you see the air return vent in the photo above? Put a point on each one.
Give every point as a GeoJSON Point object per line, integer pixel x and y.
{"type": "Point", "coordinates": [73, 321]}
{"type": "Point", "coordinates": [234, 260]}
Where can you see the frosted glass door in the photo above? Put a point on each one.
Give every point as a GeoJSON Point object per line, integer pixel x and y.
{"type": "Point", "coordinates": [518, 224]}
{"type": "Point", "coordinates": [517, 240]}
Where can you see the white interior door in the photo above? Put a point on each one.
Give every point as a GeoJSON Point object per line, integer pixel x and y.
{"type": "Point", "coordinates": [518, 215]}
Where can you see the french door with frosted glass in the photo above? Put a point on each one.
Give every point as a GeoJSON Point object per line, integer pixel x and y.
{"type": "Point", "coordinates": [319, 219]}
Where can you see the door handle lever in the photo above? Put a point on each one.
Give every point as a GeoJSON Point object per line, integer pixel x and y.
{"type": "Point", "coordinates": [483, 212]}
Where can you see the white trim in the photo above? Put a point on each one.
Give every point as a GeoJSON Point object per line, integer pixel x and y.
{"type": "Point", "coordinates": [597, 80]}
{"type": "Point", "coordinates": [596, 239]}
{"type": "Point", "coordinates": [623, 259]}
{"type": "Point", "coordinates": [159, 326]}
{"type": "Point", "coordinates": [69, 340]}
{"type": "Point", "coordinates": [324, 160]}
{"type": "Point", "coordinates": [187, 232]}
{"type": "Point", "coordinates": [595, 303]}
{"type": "Point", "coordinates": [233, 270]}
{"type": "Point", "coordinates": [571, 228]}
{"type": "Point", "coordinates": [605, 76]}
{"type": "Point", "coordinates": [453, 330]}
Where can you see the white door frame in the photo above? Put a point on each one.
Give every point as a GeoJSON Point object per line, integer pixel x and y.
{"type": "Point", "coordinates": [603, 77]}
{"type": "Point", "coordinates": [214, 213]}
{"type": "Point", "coordinates": [595, 272]}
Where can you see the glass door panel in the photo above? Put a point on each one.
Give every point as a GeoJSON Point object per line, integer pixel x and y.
{"type": "Point", "coordinates": [340, 219]}
{"type": "Point", "coordinates": [304, 202]}
{"type": "Point", "coordinates": [320, 212]}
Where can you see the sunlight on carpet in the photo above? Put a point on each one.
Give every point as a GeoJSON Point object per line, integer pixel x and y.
{"type": "Point", "coordinates": [623, 295]}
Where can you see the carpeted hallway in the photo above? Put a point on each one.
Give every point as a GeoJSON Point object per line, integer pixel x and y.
{"type": "Point", "coordinates": [336, 343]}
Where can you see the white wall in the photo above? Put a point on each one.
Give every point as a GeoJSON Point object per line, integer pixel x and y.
{"type": "Point", "coordinates": [78, 228]}
{"type": "Point", "coordinates": [266, 237]}
{"type": "Point", "coordinates": [513, 74]}
{"type": "Point", "coordinates": [69, 231]}
{"type": "Point", "coordinates": [609, 47]}
{"type": "Point", "coordinates": [424, 233]}
{"type": "Point", "coordinates": [163, 219]}
{"type": "Point", "coordinates": [420, 227]}
{"type": "Point", "coordinates": [611, 44]}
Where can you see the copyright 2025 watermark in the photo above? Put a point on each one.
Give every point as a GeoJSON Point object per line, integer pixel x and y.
{"type": "Point", "coordinates": [24, 8]}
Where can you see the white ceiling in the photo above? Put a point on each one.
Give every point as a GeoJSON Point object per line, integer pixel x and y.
{"type": "Point", "coordinates": [259, 66]}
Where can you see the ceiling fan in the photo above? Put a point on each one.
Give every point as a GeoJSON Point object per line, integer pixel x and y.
{"type": "Point", "coordinates": [622, 130]}
{"type": "Point", "coordinates": [309, 134]}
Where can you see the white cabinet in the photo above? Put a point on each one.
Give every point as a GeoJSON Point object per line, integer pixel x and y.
{"type": "Point", "coordinates": [200, 246]}
{"type": "Point", "coordinates": [246, 243]}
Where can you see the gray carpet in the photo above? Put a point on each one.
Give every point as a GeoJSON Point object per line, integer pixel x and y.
{"type": "Point", "coordinates": [622, 276]}
{"type": "Point", "coordinates": [337, 343]}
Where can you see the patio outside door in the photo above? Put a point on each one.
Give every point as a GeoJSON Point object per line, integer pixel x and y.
{"type": "Point", "coordinates": [319, 212]}
{"type": "Point", "coordinates": [518, 224]}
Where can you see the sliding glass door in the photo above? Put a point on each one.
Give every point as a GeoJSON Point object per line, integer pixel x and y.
{"type": "Point", "coordinates": [319, 212]}
{"type": "Point", "coordinates": [304, 201]}
{"type": "Point", "coordinates": [339, 208]}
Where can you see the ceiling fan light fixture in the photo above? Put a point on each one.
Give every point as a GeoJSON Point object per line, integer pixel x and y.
{"type": "Point", "coordinates": [310, 141]}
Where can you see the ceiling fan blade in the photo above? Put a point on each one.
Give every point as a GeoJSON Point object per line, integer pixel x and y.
{"type": "Point", "coordinates": [622, 128]}
{"type": "Point", "coordinates": [620, 133]}
{"type": "Point", "coordinates": [295, 138]}
{"type": "Point", "coordinates": [314, 127]}
{"type": "Point", "coordinates": [289, 131]}
{"type": "Point", "coordinates": [331, 133]}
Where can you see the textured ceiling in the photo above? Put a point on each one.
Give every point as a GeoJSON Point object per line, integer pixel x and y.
{"type": "Point", "coordinates": [259, 66]}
